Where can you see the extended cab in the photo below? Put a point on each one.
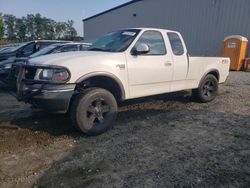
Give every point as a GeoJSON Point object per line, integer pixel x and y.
{"type": "Point", "coordinates": [121, 65]}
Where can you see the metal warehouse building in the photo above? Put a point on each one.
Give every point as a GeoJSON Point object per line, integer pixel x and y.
{"type": "Point", "coordinates": [203, 23]}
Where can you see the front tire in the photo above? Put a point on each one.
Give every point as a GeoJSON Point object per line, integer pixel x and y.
{"type": "Point", "coordinates": [94, 111]}
{"type": "Point", "coordinates": [207, 90]}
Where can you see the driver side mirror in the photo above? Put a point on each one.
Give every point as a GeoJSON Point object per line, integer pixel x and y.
{"type": "Point", "coordinates": [140, 49]}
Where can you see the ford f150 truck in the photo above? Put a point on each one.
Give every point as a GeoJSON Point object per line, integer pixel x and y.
{"type": "Point", "coordinates": [121, 65]}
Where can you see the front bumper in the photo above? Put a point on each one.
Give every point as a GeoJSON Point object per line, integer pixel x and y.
{"type": "Point", "coordinates": [5, 71]}
{"type": "Point", "coordinates": [51, 97]}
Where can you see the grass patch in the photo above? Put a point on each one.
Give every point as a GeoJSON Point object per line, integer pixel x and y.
{"type": "Point", "coordinates": [247, 105]}
{"type": "Point", "coordinates": [7, 125]}
{"type": "Point", "coordinates": [237, 136]}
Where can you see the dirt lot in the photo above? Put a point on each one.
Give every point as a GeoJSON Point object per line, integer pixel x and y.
{"type": "Point", "coordinates": [168, 141]}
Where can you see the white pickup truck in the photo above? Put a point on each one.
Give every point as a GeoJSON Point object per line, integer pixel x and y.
{"type": "Point", "coordinates": [121, 65]}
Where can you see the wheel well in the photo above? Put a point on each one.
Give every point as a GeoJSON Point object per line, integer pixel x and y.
{"type": "Point", "coordinates": [215, 73]}
{"type": "Point", "coordinates": [104, 82]}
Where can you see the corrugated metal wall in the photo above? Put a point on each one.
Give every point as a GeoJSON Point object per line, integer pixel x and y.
{"type": "Point", "coordinates": [203, 23]}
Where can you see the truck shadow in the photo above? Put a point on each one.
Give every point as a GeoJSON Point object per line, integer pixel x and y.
{"type": "Point", "coordinates": [157, 148]}
{"type": "Point", "coordinates": [59, 125]}
{"type": "Point", "coordinates": [157, 142]}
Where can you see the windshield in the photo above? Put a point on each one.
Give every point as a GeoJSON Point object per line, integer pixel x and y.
{"type": "Point", "coordinates": [117, 41]}
{"type": "Point", "coordinates": [5, 49]}
{"type": "Point", "coordinates": [44, 51]}
{"type": "Point", "coordinates": [13, 49]}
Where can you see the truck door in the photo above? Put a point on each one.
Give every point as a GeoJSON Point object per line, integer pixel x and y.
{"type": "Point", "coordinates": [149, 73]}
{"type": "Point", "coordinates": [180, 61]}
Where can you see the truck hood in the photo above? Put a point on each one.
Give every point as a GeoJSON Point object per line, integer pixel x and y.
{"type": "Point", "coordinates": [82, 63]}
{"type": "Point", "coordinates": [68, 58]}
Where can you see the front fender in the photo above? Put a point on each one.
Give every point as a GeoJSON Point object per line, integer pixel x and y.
{"type": "Point", "coordinates": [106, 74]}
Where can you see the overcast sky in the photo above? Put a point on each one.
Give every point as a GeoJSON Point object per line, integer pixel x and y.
{"type": "Point", "coordinates": [59, 10]}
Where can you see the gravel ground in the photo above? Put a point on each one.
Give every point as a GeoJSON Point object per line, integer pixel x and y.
{"type": "Point", "coordinates": [165, 141]}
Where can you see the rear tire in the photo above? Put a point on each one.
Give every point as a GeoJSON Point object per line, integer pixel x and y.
{"type": "Point", "coordinates": [94, 111]}
{"type": "Point", "coordinates": [207, 90]}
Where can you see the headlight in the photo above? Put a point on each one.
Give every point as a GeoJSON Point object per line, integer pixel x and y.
{"type": "Point", "coordinates": [57, 75]}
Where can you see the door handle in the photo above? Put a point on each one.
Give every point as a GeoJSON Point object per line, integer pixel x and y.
{"type": "Point", "coordinates": [168, 63]}
{"type": "Point", "coordinates": [121, 66]}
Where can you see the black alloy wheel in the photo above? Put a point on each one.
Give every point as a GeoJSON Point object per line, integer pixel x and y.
{"type": "Point", "coordinates": [94, 111]}
{"type": "Point", "coordinates": [207, 90]}
{"type": "Point", "coordinates": [97, 111]}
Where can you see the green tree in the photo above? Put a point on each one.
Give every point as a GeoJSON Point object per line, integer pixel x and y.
{"type": "Point", "coordinates": [30, 26]}
{"type": "Point", "coordinates": [71, 33]}
{"type": "Point", "coordinates": [20, 29]}
{"type": "Point", "coordinates": [49, 29]}
{"type": "Point", "coordinates": [10, 21]}
{"type": "Point", "coordinates": [60, 28]}
{"type": "Point", "coordinates": [36, 27]}
{"type": "Point", "coordinates": [39, 26]}
{"type": "Point", "coordinates": [1, 27]}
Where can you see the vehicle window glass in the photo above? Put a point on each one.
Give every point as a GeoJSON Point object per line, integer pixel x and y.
{"type": "Point", "coordinates": [44, 44]}
{"type": "Point", "coordinates": [117, 41]}
{"type": "Point", "coordinates": [84, 47]}
{"type": "Point", "coordinates": [155, 42]}
{"type": "Point", "coordinates": [15, 48]}
{"type": "Point", "coordinates": [176, 44]}
{"type": "Point", "coordinates": [44, 51]}
{"type": "Point", "coordinates": [69, 48]}
{"type": "Point", "coordinates": [28, 50]}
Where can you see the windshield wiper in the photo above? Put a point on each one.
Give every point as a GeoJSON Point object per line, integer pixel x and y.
{"type": "Point", "coordinates": [96, 49]}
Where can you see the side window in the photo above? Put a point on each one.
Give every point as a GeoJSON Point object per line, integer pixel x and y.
{"type": "Point", "coordinates": [69, 48]}
{"type": "Point", "coordinates": [155, 42]}
{"type": "Point", "coordinates": [28, 50]}
{"type": "Point", "coordinates": [84, 47]}
{"type": "Point", "coordinates": [176, 44]}
{"type": "Point", "coordinates": [44, 44]}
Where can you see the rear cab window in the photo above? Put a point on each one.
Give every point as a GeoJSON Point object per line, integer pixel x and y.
{"type": "Point", "coordinates": [176, 44]}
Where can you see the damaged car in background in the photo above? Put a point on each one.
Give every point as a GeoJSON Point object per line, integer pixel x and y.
{"type": "Point", "coordinates": [6, 65]}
